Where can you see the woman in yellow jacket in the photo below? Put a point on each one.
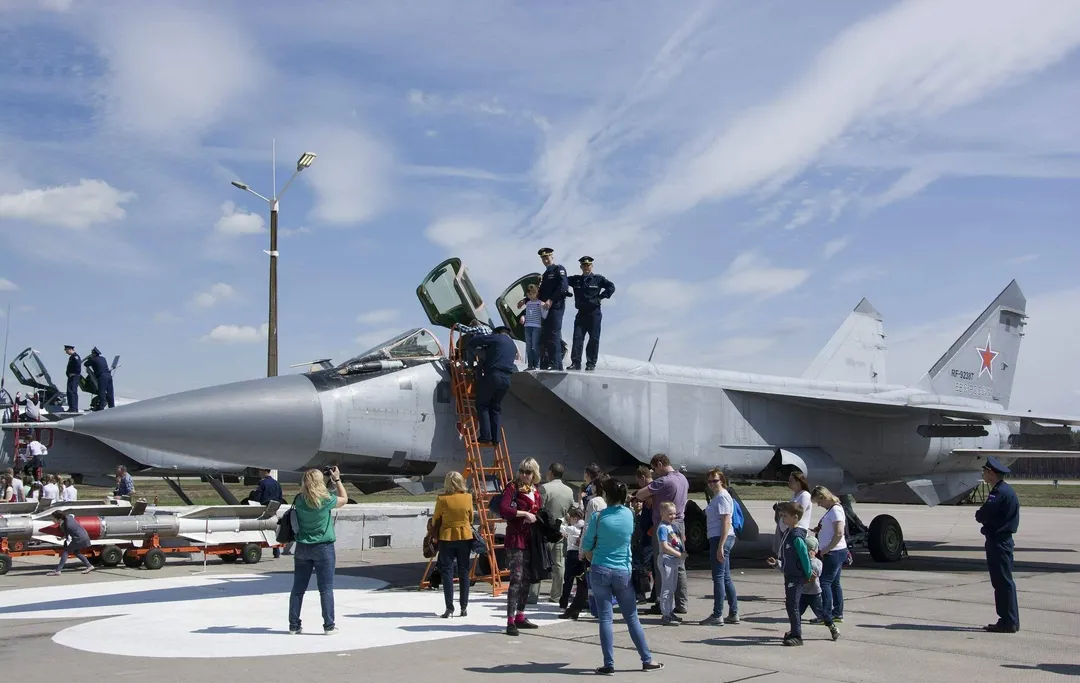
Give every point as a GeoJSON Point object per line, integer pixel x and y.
{"type": "Point", "coordinates": [453, 518]}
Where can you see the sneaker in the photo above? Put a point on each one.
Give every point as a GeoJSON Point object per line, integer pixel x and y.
{"type": "Point", "coordinates": [792, 641]}
{"type": "Point", "coordinates": [332, 631]}
{"type": "Point", "coordinates": [606, 670]}
{"type": "Point", "coordinates": [668, 621]}
{"type": "Point", "coordinates": [574, 367]}
{"type": "Point", "coordinates": [525, 623]}
{"type": "Point", "coordinates": [837, 620]}
{"type": "Point", "coordinates": [295, 631]}
{"type": "Point", "coordinates": [652, 666]}
{"type": "Point", "coordinates": [590, 368]}
{"type": "Point", "coordinates": [87, 570]}
{"type": "Point", "coordinates": [569, 615]}
{"type": "Point", "coordinates": [53, 573]}
{"type": "Point", "coordinates": [711, 621]}
{"type": "Point", "coordinates": [835, 632]}
{"type": "Point", "coordinates": [732, 619]}
{"type": "Point", "coordinates": [676, 617]}
{"type": "Point", "coordinates": [815, 620]}
{"type": "Point", "coordinates": [511, 629]}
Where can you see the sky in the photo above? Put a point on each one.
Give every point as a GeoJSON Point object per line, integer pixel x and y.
{"type": "Point", "coordinates": [743, 172]}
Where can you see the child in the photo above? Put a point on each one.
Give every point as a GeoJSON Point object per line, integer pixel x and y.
{"type": "Point", "coordinates": [671, 550]}
{"type": "Point", "coordinates": [796, 567]}
{"type": "Point", "coordinates": [811, 596]}
{"type": "Point", "coordinates": [532, 318]}
{"type": "Point", "coordinates": [575, 570]}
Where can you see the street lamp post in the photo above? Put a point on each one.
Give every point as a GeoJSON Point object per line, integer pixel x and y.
{"type": "Point", "coordinates": [303, 162]}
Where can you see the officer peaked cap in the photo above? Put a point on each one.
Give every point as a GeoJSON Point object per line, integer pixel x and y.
{"type": "Point", "coordinates": [585, 259]}
{"type": "Point", "coordinates": [544, 251]}
{"type": "Point", "coordinates": [993, 465]}
{"type": "Point", "coordinates": [68, 346]}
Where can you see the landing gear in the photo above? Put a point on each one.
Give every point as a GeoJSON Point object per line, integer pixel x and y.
{"type": "Point", "coordinates": [884, 538]}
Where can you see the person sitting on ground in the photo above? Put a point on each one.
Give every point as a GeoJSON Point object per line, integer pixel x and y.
{"type": "Point", "coordinates": [606, 545]}
{"type": "Point", "coordinates": [77, 539]}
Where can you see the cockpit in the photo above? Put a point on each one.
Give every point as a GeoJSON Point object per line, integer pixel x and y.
{"type": "Point", "coordinates": [417, 345]}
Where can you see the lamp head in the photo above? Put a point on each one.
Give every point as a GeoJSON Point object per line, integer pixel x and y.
{"type": "Point", "coordinates": [237, 183]}
{"type": "Point", "coordinates": [305, 160]}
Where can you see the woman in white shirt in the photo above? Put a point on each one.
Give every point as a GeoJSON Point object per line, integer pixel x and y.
{"type": "Point", "coordinates": [800, 493]}
{"type": "Point", "coordinates": [832, 551]}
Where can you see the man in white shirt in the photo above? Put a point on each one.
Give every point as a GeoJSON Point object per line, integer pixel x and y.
{"type": "Point", "coordinates": [69, 493]}
{"type": "Point", "coordinates": [50, 491]}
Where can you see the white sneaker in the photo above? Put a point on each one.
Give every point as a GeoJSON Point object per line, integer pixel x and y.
{"type": "Point", "coordinates": [87, 570]}
{"type": "Point", "coordinates": [332, 631]}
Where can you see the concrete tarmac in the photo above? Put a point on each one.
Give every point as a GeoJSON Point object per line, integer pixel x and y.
{"type": "Point", "coordinates": [918, 619]}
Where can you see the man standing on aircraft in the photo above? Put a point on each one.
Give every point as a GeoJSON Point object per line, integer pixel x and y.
{"type": "Point", "coordinates": [100, 367]}
{"type": "Point", "coordinates": [667, 486]}
{"type": "Point", "coordinates": [73, 372]}
{"type": "Point", "coordinates": [589, 288]}
{"type": "Point", "coordinates": [1000, 518]}
{"type": "Point", "coordinates": [553, 291]}
{"type": "Point", "coordinates": [499, 356]}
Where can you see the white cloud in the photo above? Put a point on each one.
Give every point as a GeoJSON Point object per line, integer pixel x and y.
{"type": "Point", "coordinates": [369, 339]}
{"type": "Point", "coordinates": [803, 215]}
{"type": "Point", "coordinates": [68, 206]}
{"type": "Point", "coordinates": [238, 334]}
{"type": "Point", "coordinates": [834, 247]}
{"type": "Point", "coordinates": [175, 70]}
{"type": "Point", "coordinates": [751, 274]}
{"type": "Point", "coordinates": [235, 221]}
{"type": "Point", "coordinates": [911, 183]}
{"type": "Point", "coordinates": [214, 295]}
{"type": "Point", "coordinates": [378, 317]}
{"type": "Point", "coordinates": [914, 60]}
{"type": "Point", "coordinates": [7, 285]}
{"type": "Point", "coordinates": [350, 177]}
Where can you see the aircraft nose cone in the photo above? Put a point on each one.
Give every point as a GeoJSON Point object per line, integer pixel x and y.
{"type": "Point", "coordinates": [271, 422]}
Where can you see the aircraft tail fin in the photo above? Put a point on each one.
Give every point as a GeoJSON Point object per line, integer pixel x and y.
{"type": "Point", "coordinates": [856, 352]}
{"type": "Point", "coordinates": [982, 362]}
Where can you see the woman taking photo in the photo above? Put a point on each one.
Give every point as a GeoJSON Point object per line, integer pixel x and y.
{"type": "Point", "coordinates": [606, 545]}
{"type": "Point", "coordinates": [315, 545]}
{"type": "Point", "coordinates": [453, 518]}
{"type": "Point", "coordinates": [832, 551]}
{"type": "Point", "coordinates": [519, 505]}
{"type": "Point", "coordinates": [721, 532]}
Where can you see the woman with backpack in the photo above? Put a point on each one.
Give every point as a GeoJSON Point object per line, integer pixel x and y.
{"type": "Point", "coordinates": [720, 524]}
{"type": "Point", "coordinates": [315, 545]}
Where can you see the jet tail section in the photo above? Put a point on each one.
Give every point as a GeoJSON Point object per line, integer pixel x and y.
{"type": "Point", "coordinates": [856, 352]}
{"type": "Point", "coordinates": [982, 362]}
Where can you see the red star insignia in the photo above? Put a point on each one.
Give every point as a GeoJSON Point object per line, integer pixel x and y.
{"type": "Point", "coordinates": [987, 355]}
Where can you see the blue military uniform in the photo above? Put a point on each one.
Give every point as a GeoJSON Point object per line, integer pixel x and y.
{"type": "Point", "coordinates": [100, 367]}
{"type": "Point", "coordinates": [554, 288]}
{"type": "Point", "coordinates": [74, 370]}
{"type": "Point", "coordinates": [1000, 519]}
{"type": "Point", "coordinates": [589, 290]}
{"type": "Point", "coordinates": [500, 352]}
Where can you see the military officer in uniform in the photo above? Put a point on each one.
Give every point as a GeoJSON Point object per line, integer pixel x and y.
{"type": "Point", "coordinates": [74, 369]}
{"type": "Point", "coordinates": [1000, 518]}
{"type": "Point", "coordinates": [553, 292]}
{"type": "Point", "coordinates": [500, 352]}
{"type": "Point", "coordinates": [100, 367]}
{"type": "Point", "coordinates": [589, 288]}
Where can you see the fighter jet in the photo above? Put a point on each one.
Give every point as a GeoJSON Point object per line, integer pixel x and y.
{"type": "Point", "coordinates": [389, 413]}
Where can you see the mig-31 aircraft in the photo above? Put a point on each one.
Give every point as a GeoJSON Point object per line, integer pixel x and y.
{"type": "Point", "coordinates": [388, 415]}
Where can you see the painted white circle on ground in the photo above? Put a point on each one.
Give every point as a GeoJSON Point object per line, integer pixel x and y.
{"type": "Point", "coordinates": [246, 615]}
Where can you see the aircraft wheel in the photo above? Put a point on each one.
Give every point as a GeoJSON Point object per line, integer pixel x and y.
{"type": "Point", "coordinates": [111, 556]}
{"type": "Point", "coordinates": [5, 564]}
{"type": "Point", "coordinates": [155, 559]}
{"type": "Point", "coordinates": [251, 553]}
{"type": "Point", "coordinates": [229, 558]}
{"type": "Point", "coordinates": [697, 529]}
{"type": "Point", "coordinates": [885, 539]}
{"type": "Point", "coordinates": [131, 560]}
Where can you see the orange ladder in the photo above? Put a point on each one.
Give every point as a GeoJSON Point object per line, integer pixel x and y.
{"type": "Point", "coordinates": [463, 385]}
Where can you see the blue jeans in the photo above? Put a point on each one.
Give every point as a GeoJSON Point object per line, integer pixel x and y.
{"type": "Point", "coordinates": [320, 558]}
{"type": "Point", "coordinates": [832, 597]}
{"type": "Point", "coordinates": [605, 583]}
{"type": "Point", "coordinates": [723, 587]}
{"type": "Point", "coordinates": [532, 346]}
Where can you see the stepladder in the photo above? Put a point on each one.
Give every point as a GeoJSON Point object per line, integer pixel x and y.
{"type": "Point", "coordinates": [486, 480]}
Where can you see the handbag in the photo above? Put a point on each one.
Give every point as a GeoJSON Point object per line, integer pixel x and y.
{"type": "Point", "coordinates": [431, 540]}
{"type": "Point", "coordinates": [286, 528]}
{"type": "Point", "coordinates": [479, 545]}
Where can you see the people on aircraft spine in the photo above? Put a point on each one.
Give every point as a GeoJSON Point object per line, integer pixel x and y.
{"type": "Point", "coordinates": [74, 370]}
{"type": "Point", "coordinates": [553, 292]}
{"type": "Point", "coordinates": [99, 368]}
{"type": "Point", "coordinates": [532, 318]}
{"type": "Point", "coordinates": [500, 352]}
{"type": "Point", "coordinates": [589, 289]}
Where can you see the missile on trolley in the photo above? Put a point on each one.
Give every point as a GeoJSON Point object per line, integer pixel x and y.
{"type": "Point", "coordinates": [21, 527]}
{"type": "Point", "coordinates": [195, 524]}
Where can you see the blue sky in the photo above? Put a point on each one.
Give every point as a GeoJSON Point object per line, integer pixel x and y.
{"type": "Point", "coordinates": [744, 172]}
